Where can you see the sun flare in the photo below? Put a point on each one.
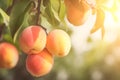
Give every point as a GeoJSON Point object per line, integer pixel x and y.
{"type": "Point", "coordinates": [113, 13]}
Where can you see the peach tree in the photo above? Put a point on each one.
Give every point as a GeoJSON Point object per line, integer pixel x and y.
{"type": "Point", "coordinates": [39, 28]}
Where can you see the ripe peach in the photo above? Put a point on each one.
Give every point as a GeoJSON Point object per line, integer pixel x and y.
{"type": "Point", "coordinates": [8, 55]}
{"type": "Point", "coordinates": [39, 64]}
{"type": "Point", "coordinates": [77, 11]}
{"type": "Point", "coordinates": [104, 1]}
{"type": "Point", "coordinates": [32, 39]}
{"type": "Point", "coordinates": [58, 42]}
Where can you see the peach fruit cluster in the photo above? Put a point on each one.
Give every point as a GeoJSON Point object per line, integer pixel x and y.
{"type": "Point", "coordinates": [41, 48]}
{"type": "Point", "coordinates": [8, 55]}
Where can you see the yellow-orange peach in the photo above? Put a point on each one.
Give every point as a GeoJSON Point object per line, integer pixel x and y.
{"type": "Point", "coordinates": [8, 55]}
{"type": "Point", "coordinates": [58, 42]}
{"type": "Point", "coordinates": [39, 64]}
{"type": "Point", "coordinates": [32, 39]}
{"type": "Point", "coordinates": [77, 11]}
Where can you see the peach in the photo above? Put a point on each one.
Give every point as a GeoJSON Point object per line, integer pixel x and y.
{"type": "Point", "coordinates": [77, 11]}
{"type": "Point", "coordinates": [32, 39]}
{"type": "Point", "coordinates": [58, 43]}
{"type": "Point", "coordinates": [39, 64]}
{"type": "Point", "coordinates": [8, 55]}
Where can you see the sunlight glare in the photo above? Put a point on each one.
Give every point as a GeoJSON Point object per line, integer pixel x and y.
{"type": "Point", "coordinates": [113, 16]}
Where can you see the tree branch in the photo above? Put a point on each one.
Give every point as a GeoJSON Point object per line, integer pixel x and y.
{"type": "Point", "coordinates": [38, 12]}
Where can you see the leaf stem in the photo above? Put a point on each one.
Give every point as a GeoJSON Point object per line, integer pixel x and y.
{"type": "Point", "coordinates": [38, 14]}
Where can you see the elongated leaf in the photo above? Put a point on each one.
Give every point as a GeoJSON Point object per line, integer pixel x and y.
{"type": "Point", "coordinates": [100, 17]}
{"type": "Point", "coordinates": [1, 19]}
{"type": "Point", "coordinates": [55, 4]}
{"type": "Point", "coordinates": [18, 14]}
{"type": "Point", "coordinates": [58, 11]}
{"type": "Point", "coordinates": [62, 10]}
{"type": "Point", "coordinates": [22, 26]}
{"type": "Point", "coordinates": [4, 17]}
{"type": "Point", "coordinates": [50, 16]}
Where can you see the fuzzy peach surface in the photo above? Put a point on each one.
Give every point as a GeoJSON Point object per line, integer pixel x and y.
{"type": "Point", "coordinates": [32, 39]}
{"type": "Point", "coordinates": [39, 64]}
{"type": "Point", "coordinates": [77, 12]}
{"type": "Point", "coordinates": [8, 55]}
{"type": "Point", "coordinates": [58, 42]}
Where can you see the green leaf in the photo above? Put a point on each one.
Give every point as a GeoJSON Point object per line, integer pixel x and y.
{"type": "Point", "coordinates": [50, 16]}
{"type": "Point", "coordinates": [4, 17]}
{"type": "Point", "coordinates": [62, 10]}
{"type": "Point", "coordinates": [54, 12]}
{"type": "Point", "coordinates": [23, 25]}
{"type": "Point", "coordinates": [18, 14]}
{"type": "Point", "coordinates": [1, 19]}
{"type": "Point", "coordinates": [4, 4]}
{"type": "Point", "coordinates": [55, 4]}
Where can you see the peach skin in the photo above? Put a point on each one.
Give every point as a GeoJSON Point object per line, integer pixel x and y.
{"type": "Point", "coordinates": [32, 39]}
{"type": "Point", "coordinates": [58, 42]}
{"type": "Point", "coordinates": [39, 64]}
{"type": "Point", "coordinates": [8, 55]}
